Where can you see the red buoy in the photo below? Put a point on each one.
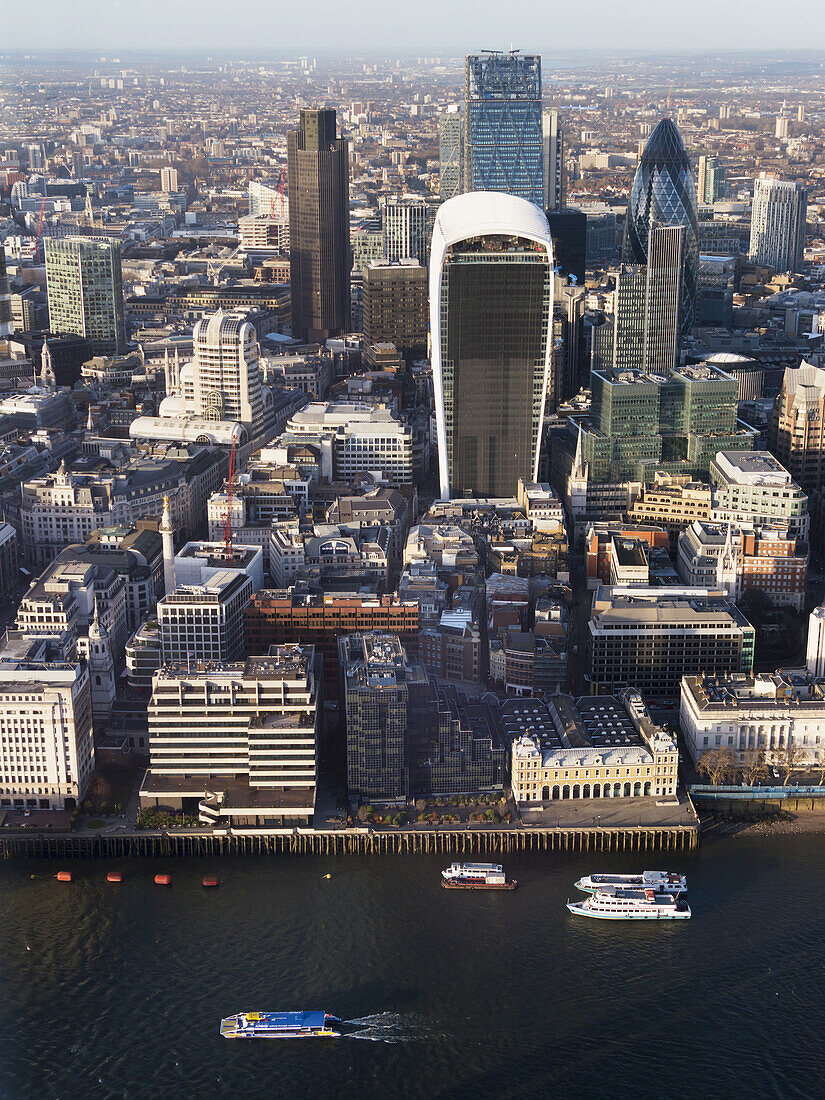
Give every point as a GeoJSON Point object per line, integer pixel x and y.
{"type": "Point", "coordinates": [64, 876]}
{"type": "Point", "coordinates": [163, 880]}
{"type": "Point", "coordinates": [114, 876]}
{"type": "Point", "coordinates": [210, 880]}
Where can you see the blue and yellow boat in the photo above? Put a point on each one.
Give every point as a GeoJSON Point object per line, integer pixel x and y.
{"type": "Point", "coordinates": [280, 1025]}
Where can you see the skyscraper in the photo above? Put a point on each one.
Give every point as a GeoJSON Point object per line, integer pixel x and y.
{"type": "Point", "coordinates": [319, 249]}
{"type": "Point", "coordinates": [395, 305]}
{"type": "Point", "coordinates": [711, 185]}
{"type": "Point", "coordinates": [502, 125]}
{"type": "Point", "coordinates": [778, 224]}
{"type": "Point", "coordinates": [407, 225]}
{"type": "Point", "coordinates": [646, 316]}
{"type": "Point", "coordinates": [552, 133]}
{"type": "Point", "coordinates": [450, 154]}
{"type": "Point", "coordinates": [663, 193]}
{"type": "Point", "coordinates": [85, 291]}
{"type": "Point", "coordinates": [6, 322]}
{"type": "Point", "coordinates": [491, 304]}
{"type": "Point", "coordinates": [226, 373]}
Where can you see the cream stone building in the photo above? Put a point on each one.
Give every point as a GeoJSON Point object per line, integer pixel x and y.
{"type": "Point", "coordinates": [604, 747]}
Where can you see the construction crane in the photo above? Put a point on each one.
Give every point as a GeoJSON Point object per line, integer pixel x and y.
{"type": "Point", "coordinates": [216, 266]}
{"type": "Point", "coordinates": [227, 519]}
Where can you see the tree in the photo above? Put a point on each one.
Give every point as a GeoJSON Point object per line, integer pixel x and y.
{"type": "Point", "coordinates": [754, 767]}
{"type": "Point", "coordinates": [716, 765]}
{"type": "Point", "coordinates": [791, 760]}
{"type": "Point", "coordinates": [819, 767]}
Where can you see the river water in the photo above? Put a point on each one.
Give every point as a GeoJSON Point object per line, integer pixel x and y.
{"type": "Point", "coordinates": [118, 990]}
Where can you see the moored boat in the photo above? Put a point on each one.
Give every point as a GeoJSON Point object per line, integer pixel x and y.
{"type": "Point", "coordinates": [476, 876]}
{"type": "Point", "coordinates": [631, 905]}
{"type": "Point", "coordinates": [663, 882]}
{"type": "Point", "coordinates": [280, 1025]}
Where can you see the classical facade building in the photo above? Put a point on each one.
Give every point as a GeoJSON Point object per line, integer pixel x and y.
{"type": "Point", "coordinates": [770, 714]}
{"type": "Point", "coordinates": [588, 748]}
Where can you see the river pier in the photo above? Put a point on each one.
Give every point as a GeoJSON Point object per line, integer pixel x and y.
{"type": "Point", "coordinates": [451, 842]}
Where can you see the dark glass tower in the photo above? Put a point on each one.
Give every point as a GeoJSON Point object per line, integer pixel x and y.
{"type": "Point", "coordinates": [491, 304]}
{"type": "Point", "coordinates": [663, 193]}
{"type": "Point", "coordinates": [319, 250]}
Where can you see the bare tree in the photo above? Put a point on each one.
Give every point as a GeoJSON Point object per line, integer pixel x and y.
{"type": "Point", "coordinates": [754, 767]}
{"type": "Point", "coordinates": [791, 760]}
{"type": "Point", "coordinates": [716, 765]}
{"type": "Point", "coordinates": [819, 767]}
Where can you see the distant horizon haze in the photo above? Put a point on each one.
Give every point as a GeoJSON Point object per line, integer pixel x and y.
{"type": "Point", "coordinates": [463, 26]}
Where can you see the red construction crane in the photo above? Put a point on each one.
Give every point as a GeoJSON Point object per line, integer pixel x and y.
{"type": "Point", "coordinates": [227, 519]}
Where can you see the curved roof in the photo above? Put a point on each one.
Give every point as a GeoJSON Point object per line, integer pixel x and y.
{"type": "Point", "coordinates": [482, 212]}
{"type": "Point", "coordinates": [187, 430]}
{"type": "Point", "coordinates": [729, 357]}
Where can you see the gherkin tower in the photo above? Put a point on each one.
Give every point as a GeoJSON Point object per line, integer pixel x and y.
{"type": "Point", "coordinates": [663, 193]}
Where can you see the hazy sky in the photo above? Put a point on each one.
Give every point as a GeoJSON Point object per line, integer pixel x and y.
{"type": "Point", "coordinates": [446, 26]}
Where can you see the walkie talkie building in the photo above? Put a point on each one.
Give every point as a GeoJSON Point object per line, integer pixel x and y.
{"type": "Point", "coordinates": [491, 311]}
{"type": "Point", "coordinates": [502, 125]}
{"type": "Point", "coordinates": [663, 193]}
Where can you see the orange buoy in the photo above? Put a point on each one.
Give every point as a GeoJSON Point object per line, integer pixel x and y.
{"type": "Point", "coordinates": [163, 880]}
{"type": "Point", "coordinates": [64, 876]}
{"type": "Point", "coordinates": [114, 876]}
{"type": "Point", "coordinates": [210, 880]}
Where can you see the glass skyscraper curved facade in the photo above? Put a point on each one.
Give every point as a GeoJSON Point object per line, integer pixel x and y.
{"type": "Point", "coordinates": [663, 193]}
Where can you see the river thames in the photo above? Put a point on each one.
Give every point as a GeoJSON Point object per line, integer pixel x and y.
{"type": "Point", "coordinates": [118, 990]}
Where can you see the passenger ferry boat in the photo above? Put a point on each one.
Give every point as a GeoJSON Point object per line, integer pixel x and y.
{"type": "Point", "coordinates": [663, 882]}
{"type": "Point", "coordinates": [280, 1025]}
{"type": "Point", "coordinates": [631, 905]}
{"type": "Point", "coordinates": [476, 876]}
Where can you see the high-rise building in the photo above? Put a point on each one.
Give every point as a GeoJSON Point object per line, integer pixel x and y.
{"type": "Point", "coordinates": [711, 184]}
{"type": "Point", "coordinates": [450, 154]}
{"type": "Point", "coordinates": [168, 179]}
{"type": "Point", "coordinates": [647, 303]}
{"type": "Point", "coordinates": [395, 305]}
{"type": "Point", "coordinates": [407, 225]}
{"type": "Point", "coordinates": [778, 224]}
{"type": "Point", "coordinates": [502, 125]}
{"type": "Point", "coordinates": [226, 373]}
{"type": "Point", "coordinates": [491, 307]}
{"type": "Point", "coordinates": [555, 183]}
{"type": "Point", "coordinates": [568, 232]}
{"type": "Point", "coordinates": [319, 247]}
{"type": "Point", "coordinates": [663, 194]}
{"type": "Point", "coordinates": [797, 435]}
{"type": "Point", "coordinates": [85, 291]}
{"type": "Point", "coordinates": [6, 321]}
{"type": "Point", "coordinates": [204, 622]}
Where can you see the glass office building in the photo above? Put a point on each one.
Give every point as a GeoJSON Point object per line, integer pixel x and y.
{"type": "Point", "coordinates": [503, 148]}
{"type": "Point", "coordinates": [85, 291]}
{"type": "Point", "coordinates": [663, 194]}
{"type": "Point", "coordinates": [491, 305]}
{"type": "Point", "coordinates": [450, 154]}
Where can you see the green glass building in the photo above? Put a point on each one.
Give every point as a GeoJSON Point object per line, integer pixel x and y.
{"type": "Point", "coordinates": [85, 291]}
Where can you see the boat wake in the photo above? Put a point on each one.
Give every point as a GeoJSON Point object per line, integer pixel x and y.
{"type": "Point", "coordinates": [382, 1027]}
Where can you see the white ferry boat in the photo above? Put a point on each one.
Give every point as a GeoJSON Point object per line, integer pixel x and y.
{"type": "Point", "coordinates": [663, 882]}
{"type": "Point", "coordinates": [631, 905]}
{"type": "Point", "coordinates": [280, 1025]}
{"type": "Point", "coordinates": [476, 876]}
